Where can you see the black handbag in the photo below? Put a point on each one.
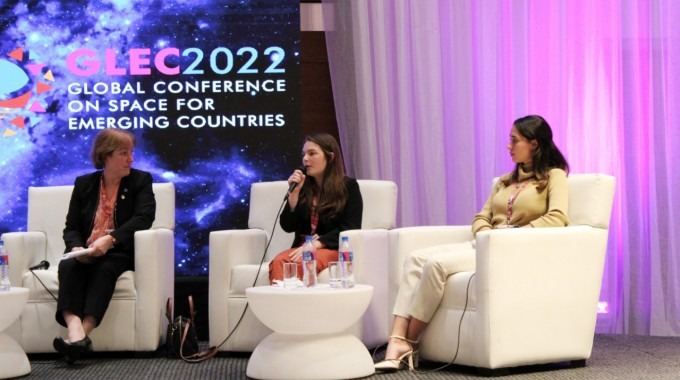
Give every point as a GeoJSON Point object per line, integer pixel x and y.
{"type": "Point", "coordinates": [181, 337]}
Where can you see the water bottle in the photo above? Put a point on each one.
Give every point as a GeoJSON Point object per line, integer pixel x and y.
{"type": "Point", "coordinates": [309, 263]}
{"type": "Point", "coordinates": [4, 268]}
{"type": "Point", "coordinates": [346, 261]}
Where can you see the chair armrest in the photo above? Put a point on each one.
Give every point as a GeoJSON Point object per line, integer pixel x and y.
{"type": "Point", "coordinates": [231, 248]}
{"type": "Point", "coordinates": [403, 241]}
{"type": "Point", "coordinates": [228, 249]}
{"type": "Point", "coordinates": [370, 256]}
{"type": "Point", "coordinates": [531, 287]}
{"type": "Point", "coordinates": [154, 281]}
{"type": "Point", "coordinates": [24, 249]}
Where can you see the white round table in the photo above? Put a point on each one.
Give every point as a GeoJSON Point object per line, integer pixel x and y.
{"type": "Point", "coordinates": [13, 359]}
{"type": "Point", "coordinates": [309, 341]}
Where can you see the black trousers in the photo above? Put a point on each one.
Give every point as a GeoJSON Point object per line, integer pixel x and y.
{"type": "Point", "coordinates": [87, 289]}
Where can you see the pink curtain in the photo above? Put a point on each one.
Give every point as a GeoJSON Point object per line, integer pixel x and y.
{"type": "Point", "coordinates": [426, 92]}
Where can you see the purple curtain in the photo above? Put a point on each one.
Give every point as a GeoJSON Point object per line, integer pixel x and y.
{"type": "Point", "coordinates": [426, 92]}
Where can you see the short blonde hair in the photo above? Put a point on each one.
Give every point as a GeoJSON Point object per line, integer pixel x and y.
{"type": "Point", "coordinates": [106, 142]}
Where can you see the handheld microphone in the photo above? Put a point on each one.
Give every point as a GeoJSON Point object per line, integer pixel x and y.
{"type": "Point", "coordinates": [43, 265]}
{"type": "Point", "coordinates": [292, 185]}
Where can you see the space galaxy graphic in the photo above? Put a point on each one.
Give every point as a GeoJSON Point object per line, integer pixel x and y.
{"type": "Point", "coordinates": [210, 88]}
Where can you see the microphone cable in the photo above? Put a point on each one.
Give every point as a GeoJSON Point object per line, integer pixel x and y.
{"type": "Point", "coordinates": [257, 275]}
{"type": "Point", "coordinates": [460, 324]}
{"type": "Point", "coordinates": [43, 284]}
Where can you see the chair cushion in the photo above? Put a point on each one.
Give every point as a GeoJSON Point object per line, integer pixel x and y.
{"type": "Point", "coordinates": [242, 277]}
{"type": "Point", "coordinates": [378, 195]}
{"type": "Point", "coordinates": [125, 288]}
{"type": "Point", "coordinates": [165, 205]}
{"type": "Point", "coordinates": [590, 199]}
{"type": "Point", "coordinates": [46, 205]}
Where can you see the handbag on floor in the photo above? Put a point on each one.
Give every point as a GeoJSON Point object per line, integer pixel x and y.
{"type": "Point", "coordinates": [181, 338]}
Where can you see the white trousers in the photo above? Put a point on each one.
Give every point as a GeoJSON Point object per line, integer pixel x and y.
{"type": "Point", "coordinates": [424, 276]}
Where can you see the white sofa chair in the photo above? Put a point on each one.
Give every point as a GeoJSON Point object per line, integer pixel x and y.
{"type": "Point", "coordinates": [533, 298]}
{"type": "Point", "coordinates": [236, 255]}
{"type": "Point", "coordinates": [135, 319]}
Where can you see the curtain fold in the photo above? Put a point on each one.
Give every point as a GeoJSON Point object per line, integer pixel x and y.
{"type": "Point", "coordinates": [426, 92]}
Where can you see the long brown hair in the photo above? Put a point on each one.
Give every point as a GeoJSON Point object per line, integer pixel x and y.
{"type": "Point", "coordinates": [332, 196]}
{"type": "Point", "coordinates": [545, 157]}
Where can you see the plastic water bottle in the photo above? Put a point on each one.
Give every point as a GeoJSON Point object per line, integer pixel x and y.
{"type": "Point", "coordinates": [309, 263]}
{"type": "Point", "coordinates": [4, 268]}
{"type": "Point", "coordinates": [346, 260]}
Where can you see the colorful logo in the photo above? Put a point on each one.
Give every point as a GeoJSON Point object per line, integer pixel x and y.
{"type": "Point", "coordinates": [22, 84]}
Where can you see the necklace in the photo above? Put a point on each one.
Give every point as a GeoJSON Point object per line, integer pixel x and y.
{"type": "Point", "coordinates": [314, 215]}
{"type": "Point", "coordinates": [107, 202]}
{"type": "Point", "coordinates": [519, 186]}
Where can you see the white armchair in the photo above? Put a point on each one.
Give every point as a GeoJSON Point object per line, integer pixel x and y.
{"type": "Point", "coordinates": [135, 319]}
{"type": "Point", "coordinates": [235, 256]}
{"type": "Point", "coordinates": [533, 298]}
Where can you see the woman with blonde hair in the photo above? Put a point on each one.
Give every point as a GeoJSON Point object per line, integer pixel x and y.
{"type": "Point", "coordinates": [107, 207]}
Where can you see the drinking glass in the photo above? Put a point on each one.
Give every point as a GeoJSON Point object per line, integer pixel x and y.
{"type": "Point", "coordinates": [335, 274]}
{"type": "Point", "coordinates": [290, 275]}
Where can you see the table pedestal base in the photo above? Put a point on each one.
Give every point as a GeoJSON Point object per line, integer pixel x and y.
{"type": "Point", "coordinates": [319, 356]}
{"type": "Point", "coordinates": [13, 359]}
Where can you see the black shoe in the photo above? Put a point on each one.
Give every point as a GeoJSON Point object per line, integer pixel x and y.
{"type": "Point", "coordinates": [72, 351]}
{"type": "Point", "coordinates": [60, 345]}
{"type": "Point", "coordinates": [88, 344]}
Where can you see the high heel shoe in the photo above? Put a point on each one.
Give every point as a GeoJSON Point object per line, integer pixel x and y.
{"type": "Point", "coordinates": [416, 352]}
{"type": "Point", "coordinates": [408, 358]}
{"type": "Point", "coordinates": [72, 351]}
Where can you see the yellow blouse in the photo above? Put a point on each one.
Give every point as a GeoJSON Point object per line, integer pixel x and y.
{"type": "Point", "coordinates": [540, 208]}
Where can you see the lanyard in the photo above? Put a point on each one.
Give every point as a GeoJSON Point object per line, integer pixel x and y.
{"type": "Point", "coordinates": [314, 216]}
{"type": "Point", "coordinates": [513, 196]}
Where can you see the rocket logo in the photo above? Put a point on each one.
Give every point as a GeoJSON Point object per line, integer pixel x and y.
{"type": "Point", "coordinates": [21, 85]}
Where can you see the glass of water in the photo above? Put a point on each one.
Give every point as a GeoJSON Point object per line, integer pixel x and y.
{"type": "Point", "coordinates": [290, 275]}
{"type": "Point", "coordinates": [335, 274]}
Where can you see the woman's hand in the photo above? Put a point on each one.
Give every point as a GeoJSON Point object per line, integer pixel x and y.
{"type": "Point", "coordinates": [299, 178]}
{"type": "Point", "coordinates": [101, 246]}
{"type": "Point", "coordinates": [296, 255]}
{"type": "Point", "coordinates": [82, 259]}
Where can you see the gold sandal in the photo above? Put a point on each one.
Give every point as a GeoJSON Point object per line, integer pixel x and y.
{"type": "Point", "coordinates": [408, 358]}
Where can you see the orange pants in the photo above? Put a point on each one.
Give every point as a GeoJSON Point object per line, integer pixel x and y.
{"type": "Point", "coordinates": [323, 257]}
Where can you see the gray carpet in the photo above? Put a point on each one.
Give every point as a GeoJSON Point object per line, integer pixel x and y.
{"type": "Point", "coordinates": [614, 357]}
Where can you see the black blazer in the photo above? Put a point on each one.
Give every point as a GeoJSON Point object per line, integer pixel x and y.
{"type": "Point", "coordinates": [299, 220]}
{"type": "Point", "coordinates": [135, 209]}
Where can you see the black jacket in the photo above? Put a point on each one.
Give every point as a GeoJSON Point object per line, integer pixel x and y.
{"type": "Point", "coordinates": [135, 209]}
{"type": "Point", "coordinates": [299, 220]}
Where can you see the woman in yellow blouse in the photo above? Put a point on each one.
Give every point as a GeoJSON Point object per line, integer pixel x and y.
{"type": "Point", "coordinates": [534, 194]}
